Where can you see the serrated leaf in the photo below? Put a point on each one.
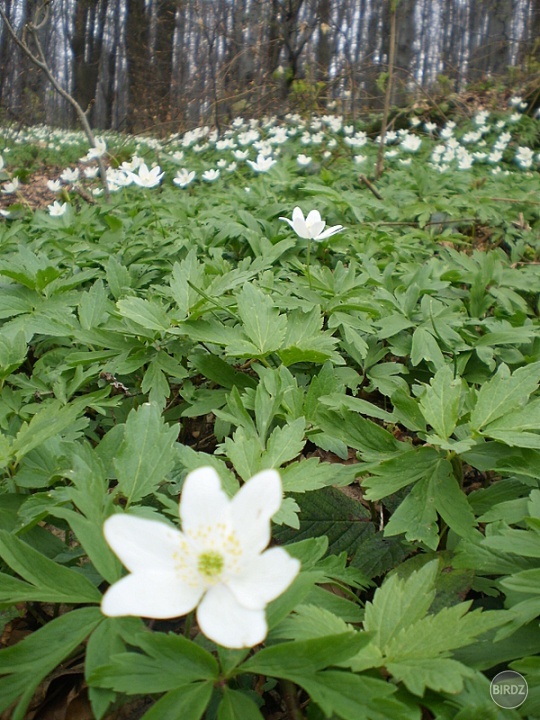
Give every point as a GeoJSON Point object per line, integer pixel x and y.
{"type": "Point", "coordinates": [263, 324]}
{"type": "Point", "coordinates": [236, 705]}
{"type": "Point", "coordinates": [188, 702]}
{"type": "Point", "coordinates": [284, 444]}
{"type": "Point", "coordinates": [25, 664]}
{"type": "Point", "coordinates": [144, 312]}
{"type": "Point", "coordinates": [504, 393]}
{"type": "Point", "coordinates": [146, 454]}
{"type": "Point", "coordinates": [47, 580]}
{"type": "Point", "coordinates": [425, 347]}
{"type": "Point", "coordinates": [168, 661]}
{"type": "Point", "coordinates": [93, 306]}
{"type": "Point", "coordinates": [440, 402]}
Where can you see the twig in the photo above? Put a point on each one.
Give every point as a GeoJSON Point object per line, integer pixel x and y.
{"type": "Point", "coordinates": [41, 62]}
{"type": "Point", "coordinates": [370, 186]}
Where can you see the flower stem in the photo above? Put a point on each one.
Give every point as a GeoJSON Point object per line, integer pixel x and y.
{"type": "Point", "coordinates": [308, 268]}
{"type": "Point", "coordinates": [290, 698]}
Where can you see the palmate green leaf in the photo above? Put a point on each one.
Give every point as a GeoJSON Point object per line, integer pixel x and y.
{"type": "Point", "coordinates": [12, 353]}
{"type": "Point", "coordinates": [167, 661]}
{"type": "Point", "coordinates": [310, 621]}
{"type": "Point", "coordinates": [263, 324]}
{"type": "Point", "coordinates": [50, 420]}
{"type": "Point", "coordinates": [93, 306]}
{"type": "Point", "coordinates": [425, 347]}
{"type": "Point", "coordinates": [303, 657]}
{"type": "Point", "coordinates": [407, 637]}
{"type": "Point", "coordinates": [311, 474]}
{"type": "Point", "coordinates": [355, 697]}
{"type": "Point", "coordinates": [147, 313]}
{"type": "Point", "coordinates": [401, 470]}
{"type": "Point", "coordinates": [23, 666]}
{"type": "Point", "coordinates": [306, 341]}
{"type": "Point", "coordinates": [47, 581]}
{"type": "Point", "coordinates": [504, 393]}
{"type": "Point", "coordinates": [188, 702]}
{"type": "Point", "coordinates": [440, 402]}
{"type": "Point", "coordinates": [437, 492]}
{"type": "Point", "coordinates": [236, 705]}
{"type": "Point", "coordinates": [284, 444]}
{"type": "Point", "coordinates": [244, 451]}
{"type": "Point", "coordinates": [146, 454]}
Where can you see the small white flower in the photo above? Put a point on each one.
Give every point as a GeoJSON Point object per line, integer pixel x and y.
{"type": "Point", "coordinates": [1, 163]}
{"type": "Point", "coordinates": [359, 159]}
{"type": "Point", "coordinates": [262, 164]}
{"type": "Point", "coordinates": [411, 143]}
{"type": "Point", "coordinates": [430, 127]}
{"type": "Point", "coordinates": [97, 151]}
{"type": "Point", "coordinates": [231, 167]}
{"type": "Point", "coordinates": [57, 209]}
{"type": "Point", "coordinates": [524, 157]}
{"type": "Point", "coordinates": [303, 160]}
{"type": "Point", "coordinates": [70, 176]}
{"type": "Point", "coordinates": [54, 185]}
{"type": "Point", "coordinates": [91, 173]}
{"type": "Point", "coordinates": [145, 177]}
{"type": "Point", "coordinates": [210, 175]}
{"type": "Point", "coordinates": [11, 186]}
{"type": "Point", "coordinates": [311, 227]}
{"type": "Point", "coordinates": [184, 177]}
{"type": "Point", "coordinates": [217, 563]}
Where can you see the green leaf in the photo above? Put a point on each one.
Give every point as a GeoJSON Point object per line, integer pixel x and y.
{"type": "Point", "coordinates": [504, 393]}
{"type": "Point", "coordinates": [305, 656]}
{"type": "Point", "coordinates": [26, 664]}
{"type": "Point", "coordinates": [263, 324]}
{"type": "Point", "coordinates": [236, 705]}
{"type": "Point", "coordinates": [187, 702]}
{"type": "Point", "coordinates": [168, 661]}
{"type": "Point", "coordinates": [284, 444]}
{"type": "Point", "coordinates": [48, 581]}
{"type": "Point", "coordinates": [144, 312]}
{"type": "Point", "coordinates": [440, 402]}
{"type": "Point", "coordinates": [93, 306]}
{"type": "Point", "coordinates": [146, 454]}
{"type": "Point", "coordinates": [53, 419]}
{"type": "Point", "coordinates": [425, 347]}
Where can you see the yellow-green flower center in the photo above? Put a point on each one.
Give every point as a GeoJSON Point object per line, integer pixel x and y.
{"type": "Point", "coordinates": [210, 564]}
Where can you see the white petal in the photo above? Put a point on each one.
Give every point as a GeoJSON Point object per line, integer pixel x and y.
{"type": "Point", "coordinates": [150, 594]}
{"type": "Point", "coordinates": [316, 229]}
{"type": "Point", "coordinates": [313, 217]}
{"type": "Point", "coordinates": [265, 578]}
{"type": "Point", "coordinates": [222, 619]}
{"type": "Point", "coordinates": [203, 501]}
{"type": "Point", "coordinates": [141, 543]}
{"type": "Point", "coordinates": [328, 232]}
{"type": "Point", "coordinates": [252, 508]}
{"type": "Point", "coordinates": [299, 224]}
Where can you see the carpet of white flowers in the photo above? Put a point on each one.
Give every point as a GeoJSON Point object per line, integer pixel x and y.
{"type": "Point", "coordinates": [269, 420]}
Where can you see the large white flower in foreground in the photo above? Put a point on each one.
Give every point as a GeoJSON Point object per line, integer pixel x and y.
{"type": "Point", "coordinates": [311, 227]}
{"type": "Point", "coordinates": [217, 564]}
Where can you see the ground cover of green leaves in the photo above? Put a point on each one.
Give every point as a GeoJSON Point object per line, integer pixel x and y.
{"type": "Point", "coordinates": [173, 328]}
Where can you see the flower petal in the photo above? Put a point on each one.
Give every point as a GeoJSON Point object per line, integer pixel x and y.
{"type": "Point", "coordinates": [141, 543]}
{"type": "Point", "coordinates": [328, 232]}
{"type": "Point", "coordinates": [252, 508]}
{"type": "Point", "coordinates": [203, 501]}
{"type": "Point", "coordinates": [299, 224]}
{"type": "Point", "coordinates": [314, 216]}
{"type": "Point", "coordinates": [265, 578]}
{"type": "Point", "coordinates": [222, 619]}
{"type": "Point", "coordinates": [158, 595]}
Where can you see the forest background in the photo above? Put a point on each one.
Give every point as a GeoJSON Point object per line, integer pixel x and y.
{"type": "Point", "coordinates": [170, 65]}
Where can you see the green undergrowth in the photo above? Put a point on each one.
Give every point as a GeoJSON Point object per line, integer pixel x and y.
{"type": "Point", "coordinates": [393, 382]}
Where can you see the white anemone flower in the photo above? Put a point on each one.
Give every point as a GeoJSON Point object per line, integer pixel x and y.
{"type": "Point", "coordinates": [303, 160]}
{"type": "Point", "coordinates": [11, 186]}
{"type": "Point", "coordinates": [311, 227]}
{"type": "Point", "coordinates": [145, 177]}
{"type": "Point", "coordinates": [70, 175]}
{"type": "Point", "coordinates": [262, 164]}
{"type": "Point", "coordinates": [184, 177]}
{"type": "Point", "coordinates": [54, 185]}
{"type": "Point", "coordinates": [217, 563]}
{"type": "Point", "coordinates": [57, 209]}
{"type": "Point", "coordinates": [210, 175]}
